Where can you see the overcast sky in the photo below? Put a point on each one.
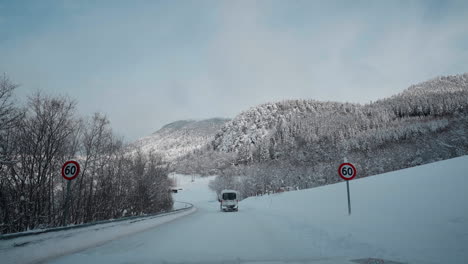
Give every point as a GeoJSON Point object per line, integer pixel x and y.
{"type": "Point", "coordinates": [148, 63]}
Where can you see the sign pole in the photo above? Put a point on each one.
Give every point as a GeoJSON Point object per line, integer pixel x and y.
{"type": "Point", "coordinates": [67, 198]}
{"type": "Point", "coordinates": [349, 199]}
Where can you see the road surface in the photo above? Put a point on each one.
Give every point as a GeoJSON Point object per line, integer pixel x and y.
{"type": "Point", "coordinates": [211, 236]}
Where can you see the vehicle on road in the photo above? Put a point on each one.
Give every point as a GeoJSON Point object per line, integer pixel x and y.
{"type": "Point", "coordinates": [175, 189]}
{"type": "Point", "coordinates": [229, 200]}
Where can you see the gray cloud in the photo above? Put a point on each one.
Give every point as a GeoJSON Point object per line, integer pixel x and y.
{"type": "Point", "coordinates": [148, 65]}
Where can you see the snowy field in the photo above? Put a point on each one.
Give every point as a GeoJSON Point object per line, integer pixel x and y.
{"type": "Point", "coordinates": [417, 215]}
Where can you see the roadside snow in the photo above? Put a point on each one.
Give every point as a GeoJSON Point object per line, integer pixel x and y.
{"type": "Point", "coordinates": [43, 247]}
{"type": "Point", "coordinates": [417, 215]}
{"type": "Point", "coordinates": [413, 215]}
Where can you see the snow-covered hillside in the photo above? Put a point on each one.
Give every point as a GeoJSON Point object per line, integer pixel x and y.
{"type": "Point", "coordinates": [417, 216]}
{"type": "Point", "coordinates": [298, 143]}
{"type": "Point", "coordinates": [277, 144]}
{"type": "Point", "coordinates": [309, 121]}
{"type": "Point", "coordinates": [453, 83]}
{"type": "Point", "coordinates": [179, 138]}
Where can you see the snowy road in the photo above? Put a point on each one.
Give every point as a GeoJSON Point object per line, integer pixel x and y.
{"type": "Point", "coordinates": [417, 215]}
{"type": "Point", "coordinates": [208, 236]}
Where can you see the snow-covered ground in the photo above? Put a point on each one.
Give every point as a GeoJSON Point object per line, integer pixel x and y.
{"type": "Point", "coordinates": [44, 247]}
{"type": "Point", "coordinates": [416, 215]}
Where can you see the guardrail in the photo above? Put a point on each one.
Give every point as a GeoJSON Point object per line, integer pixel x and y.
{"type": "Point", "coordinates": [62, 228]}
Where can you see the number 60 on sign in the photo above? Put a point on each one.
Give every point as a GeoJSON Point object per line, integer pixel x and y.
{"type": "Point", "coordinates": [347, 171]}
{"type": "Point", "coordinates": [70, 170]}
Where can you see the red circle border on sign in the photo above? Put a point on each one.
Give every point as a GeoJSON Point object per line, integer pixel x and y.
{"type": "Point", "coordinates": [352, 166]}
{"type": "Point", "coordinates": [77, 170]}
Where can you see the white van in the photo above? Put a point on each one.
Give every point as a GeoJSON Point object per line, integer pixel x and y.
{"type": "Point", "coordinates": [229, 200]}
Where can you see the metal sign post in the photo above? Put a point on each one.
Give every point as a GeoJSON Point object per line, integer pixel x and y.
{"type": "Point", "coordinates": [349, 199]}
{"type": "Point", "coordinates": [347, 172]}
{"type": "Point", "coordinates": [67, 198]}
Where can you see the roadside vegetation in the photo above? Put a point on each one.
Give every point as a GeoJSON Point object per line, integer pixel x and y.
{"type": "Point", "coordinates": [38, 137]}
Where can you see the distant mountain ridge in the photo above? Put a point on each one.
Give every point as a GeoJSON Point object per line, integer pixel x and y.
{"type": "Point", "coordinates": [441, 84]}
{"type": "Point", "coordinates": [301, 119]}
{"type": "Point", "coordinates": [179, 138]}
{"type": "Point", "coordinates": [300, 143]}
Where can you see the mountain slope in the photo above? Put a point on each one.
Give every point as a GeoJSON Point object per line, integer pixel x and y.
{"type": "Point", "coordinates": [300, 143]}
{"type": "Point", "coordinates": [180, 138]}
{"type": "Point", "coordinates": [415, 215]}
{"type": "Point", "coordinates": [310, 120]}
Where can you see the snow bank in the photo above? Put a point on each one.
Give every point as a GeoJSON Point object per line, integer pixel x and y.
{"type": "Point", "coordinates": [415, 215]}
{"type": "Point", "coordinates": [43, 247]}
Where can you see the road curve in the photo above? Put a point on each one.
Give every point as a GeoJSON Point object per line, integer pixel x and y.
{"type": "Point", "coordinates": [211, 236]}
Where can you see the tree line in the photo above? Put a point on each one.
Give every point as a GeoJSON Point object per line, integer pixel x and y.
{"type": "Point", "coordinates": [38, 137]}
{"type": "Point", "coordinates": [300, 143]}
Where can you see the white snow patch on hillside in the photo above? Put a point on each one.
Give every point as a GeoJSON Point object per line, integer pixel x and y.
{"type": "Point", "coordinates": [415, 215]}
{"type": "Point", "coordinates": [179, 138]}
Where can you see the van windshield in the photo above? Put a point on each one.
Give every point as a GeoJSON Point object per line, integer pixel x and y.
{"type": "Point", "coordinates": [229, 196]}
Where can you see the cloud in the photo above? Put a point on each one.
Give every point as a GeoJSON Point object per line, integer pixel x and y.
{"type": "Point", "coordinates": [340, 55]}
{"type": "Point", "coordinates": [148, 64]}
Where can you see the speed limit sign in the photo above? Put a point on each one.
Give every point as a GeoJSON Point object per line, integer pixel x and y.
{"type": "Point", "coordinates": [347, 171]}
{"type": "Point", "coordinates": [70, 170]}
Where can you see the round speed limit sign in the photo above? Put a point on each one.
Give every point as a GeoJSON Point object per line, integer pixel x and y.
{"type": "Point", "coordinates": [347, 171]}
{"type": "Point", "coordinates": [70, 170]}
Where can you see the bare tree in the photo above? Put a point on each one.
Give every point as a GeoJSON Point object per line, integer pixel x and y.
{"type": "Point", "coordinates": [10, 115]}
{"type": "Point", "coordinates": [34, 143]}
